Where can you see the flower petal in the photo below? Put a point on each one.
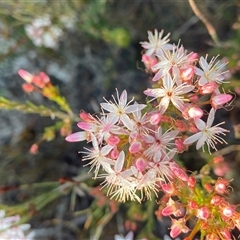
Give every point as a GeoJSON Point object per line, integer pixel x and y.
{"type": "Point", "coordinates": [76, 137]}
{"type": "Point", "coordinates": [193, 138]}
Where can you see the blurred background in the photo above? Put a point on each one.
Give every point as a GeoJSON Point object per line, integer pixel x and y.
{"type": "Point", "coordinates": [89, 48]}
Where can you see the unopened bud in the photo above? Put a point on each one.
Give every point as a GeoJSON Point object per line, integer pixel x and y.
{"type": "Point", "coordinates": [168, 188]}
{"type": "Point", "coordinates": [203, 213]}
{"type": "Point", "coordinates": [140, 164]}
{"type": "Point", "coordinates": [27, 87]}
{"type": "Point", "coordinates": [155, 118]}
{"type": "Point", "coordinates": [187, 73]}
{"type": "Point", "coordinates": [221, 186]}
{"type": "Point", "coordinates": [191, 181]}
{"type": "Point", "coordinates": [228, 211]}
{"type": "Point", "coordinates": [208, 88]}
{"type": "Point", "coordinates": [219, 100]}
{"type": "Point", "coordinates": [195, 112]}
{"type": "Point", "coordinates": [216, 200]}
{"type": "Point", "coordinates": [25, 75]}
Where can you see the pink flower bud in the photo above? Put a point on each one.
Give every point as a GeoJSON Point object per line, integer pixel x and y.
{"type": "Point", "coordinates": [228, 211]}
{"type": "Point", "coordinates": [219, 100]}
{"type": "Point", "coordinates": [135, 147]}
{"type": "Point", "coordinates": [192, 204]}
{"type": "Point", "coordinates": [33, 149]}
{"type": "Point", "coordinates": [155, 118]}
{"type": "Point", "coordinates": [25, 75]}
{"type": "Point", "coordinates": [27, 87]}
{"type": "Point", "coordinates": [216, 200]}
{"type": "Point", "coordinates": [203, 213]}
{"type": "Point", "coordinates": [179, 145]}
{"type": "Point", "coordinates": [113, 140]}
{"type": "Point", "coordinates": [141, 164]}
{"type": "Point", "coordinates": [193, 56]}
{"type": "Point", "coordinates": [149, 61]}
{"type": "Point", "coordinates": [220, 167]}
{"type": "Point", "coordinates": [180, 125]}
{"type": "Point", "coordinates": [172, 208]}
{"type": "Point", "coordinates": [178, 226]}
{"type": "Point", "coordinates": [195, 112]}
{"type": "Point", "coordinates": [86, 117]}
{"type": "Point", "coordinates": [114, 153]}
{"type": "Point", "coordinates": [168, 188]}
{"type": "Point", "coordinates": [44, 77]}
{"type": "Point", "coordinates": [208, 88]}
{"type": "Point", "coordinates": [192, 128]}
{"type": "Point", "coordinates": [193, 99]}
{"type": "Point", "coordinates": [38, 81]}
{"type": "Point", "coordinates": [221, 186]}
{"type": "Point", "coordinates": [208, 187]}
{"type": "Point", "coordinates": [191, 181]}
{"type": "Point", "coordinates": [178, 171]}
{"type": "Point", "coordinates": [187, 73]}
{"type": "Point", "coordinates": [226, 234]}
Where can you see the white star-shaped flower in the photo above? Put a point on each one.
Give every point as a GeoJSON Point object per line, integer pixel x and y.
{"type": "Point", "coordinates": [210, 72]}
{"type": "Point", "coordinates": [207, 134]}
{"type": "Point", "coordinates": [156, 42]}
{"type": "Point", "coordinates": [119, 109]}
{"type": "Point", "coordinates": [170, 92]}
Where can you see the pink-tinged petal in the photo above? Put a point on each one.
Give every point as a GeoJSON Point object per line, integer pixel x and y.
{"type": "Point", "coordinates": [108, 107]}
{"type": "Point", "coordinates": [28, 77]}
{"type": "Point", "coordinates": [203, 63]}
{"type": "Point", "coordinates": [184, 88]}
{"type": "Point", "coordinates": [200, 124]}
{"type": "Point", "coordinates": [193, 138]}
{"type": "Point", "coordinates": [202, 81]}
{"type": "Point", "coordinates": [76, 137]}
{"type": "Point", "coordinates": [158, 75]}
{"type": "Point", "coordinates": [123, 98]}
{"type": "Point", "coordinates": [201, 141]}
{"type": "Point", "coordinates": [211, 117]}
{"type": "Point", "coordinates": [157, 156]}
{"type": "Point", "coordinates": [195, 112]}
{"type": "Point", "coordinates": [135, 147]}
{"type": "Point", "coordinates": [175, 231]}
{"type": "Point", "coordinates": [94, 142]}
{"type": "Point", "coordinates": [141, 164]}
{"type": "Point", "coordinates": [134, 108]}
{"type": "Point", "coordinates": [167, 81]}
{"type": "Point", "coordinates": [163, 105]}
{"type": "Point", "coordinates": [169, 136]}
{"type": "Point", "coordinates": [119, 163]}
{"type": "Point", "coordinates": [90, 127]}
{"type": "Point", "coordinates": [158, 134]}
{"type": "Point", "coordinates": [198, 71]}
{"type": "Point", "coordinates": [106, 150]}
{"type": "Point", "coordinates": [157, 92]}
{"type": "Point", "coordinates": [127, 122]}
{"type": "Point", "coordinates": [149, 139]}
{"type": "Point", "coordinates": [169, 210]}
{"type": "Point", "coordinates": [150, 51]}
{"type": "Point", "coordinates": [178, 103]}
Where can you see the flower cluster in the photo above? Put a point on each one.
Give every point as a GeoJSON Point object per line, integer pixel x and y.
{"type": "Point", "coordinates": [135, 144]}
{"type": "Point", "coordinates": [208, 209]}
{"type": "Point", "coordinates": [43, 33]}
{"type": "Point", "coordinates": [10, 230]}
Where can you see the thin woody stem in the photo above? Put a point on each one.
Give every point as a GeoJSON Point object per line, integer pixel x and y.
{"type": "Point", "coordinates": [211, 30]}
